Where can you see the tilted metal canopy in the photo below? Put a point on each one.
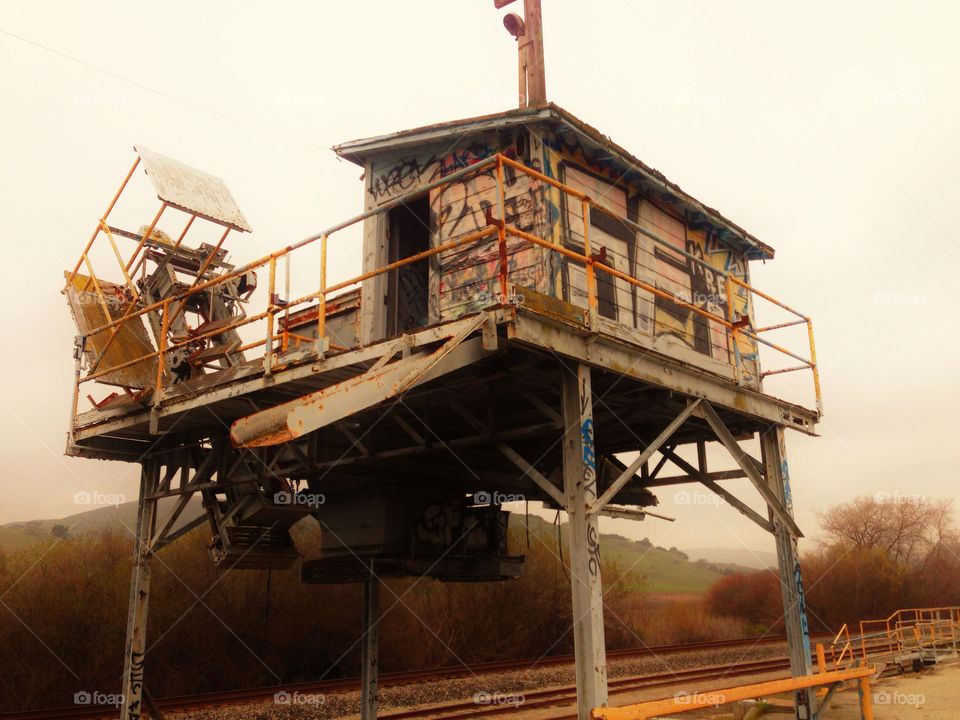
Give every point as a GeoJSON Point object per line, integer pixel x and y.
{"type": "Point", "coordinates": [192, 190]}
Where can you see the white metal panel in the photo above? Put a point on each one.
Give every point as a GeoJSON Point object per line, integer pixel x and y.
{"type": "Point", "coordinates": [192, 190]}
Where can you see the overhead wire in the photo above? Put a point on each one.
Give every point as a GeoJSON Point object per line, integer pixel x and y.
{"type": "Point", "coordinates": [161, 93]}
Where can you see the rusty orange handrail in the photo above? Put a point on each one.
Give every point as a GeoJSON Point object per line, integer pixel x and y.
{"type": "Point", "coordinates": [927, 626]}
{"type": "Point", "coordinates": [496, 226]}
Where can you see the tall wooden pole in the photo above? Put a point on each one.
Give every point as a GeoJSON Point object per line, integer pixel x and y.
{"type": "Point", "coordinates": [533, 76]}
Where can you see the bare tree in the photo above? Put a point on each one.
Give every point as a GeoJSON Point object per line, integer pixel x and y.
{"type": "Point", "coordinates": [907, 528]}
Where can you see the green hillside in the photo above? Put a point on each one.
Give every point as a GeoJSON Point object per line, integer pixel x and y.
{"type": "Point", "coordinates": [665, 570]}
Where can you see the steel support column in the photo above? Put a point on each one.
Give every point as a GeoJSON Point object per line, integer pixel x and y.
{"type": "Point", "coordinates": [773, 445]}
{"type": "Point", "coordinates": [136, 643]}
{"type": "Point", "coordinates": [580, 487]}
{"type": "Point", "coordinates": [370, 648]}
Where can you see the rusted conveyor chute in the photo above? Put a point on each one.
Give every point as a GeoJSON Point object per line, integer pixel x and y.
{"type": "Point", "coordinates": [382, 381]}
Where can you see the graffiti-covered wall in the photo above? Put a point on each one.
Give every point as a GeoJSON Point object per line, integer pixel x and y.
{"type": "Point", "coordinates": [465, 279]}
{"type": "Point", "coordinates": [665, 264]}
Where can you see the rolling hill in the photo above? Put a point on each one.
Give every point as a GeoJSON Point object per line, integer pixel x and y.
{"type": "Point", "coordinates": [665, 570]}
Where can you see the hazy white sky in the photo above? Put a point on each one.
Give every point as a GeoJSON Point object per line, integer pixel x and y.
{"type": "Point", "coordinates": [829, 131]}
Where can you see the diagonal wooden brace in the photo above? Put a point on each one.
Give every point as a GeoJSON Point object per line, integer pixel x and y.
{"type": "Point", "coordinates": [746, 464]}
{"type": "Point", "coordinates": [534, 474]}
{"type": "Point", "coordinates": [630, 472]}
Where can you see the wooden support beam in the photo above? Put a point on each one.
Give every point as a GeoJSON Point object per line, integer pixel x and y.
{"type": "Point", "coordinates": [580, 487]}
{"type": "Point", "coordinates": [534, 474]}
{"type": "Point", "coordinates": [681, 479]}
{"type": "Point", "coordinates": [631, 470]}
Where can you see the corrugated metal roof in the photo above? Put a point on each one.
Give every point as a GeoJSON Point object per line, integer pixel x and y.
{"type": "Point", "coordinates": [192, 190]}
{"type": "Point", "coordinates": [563, 121]}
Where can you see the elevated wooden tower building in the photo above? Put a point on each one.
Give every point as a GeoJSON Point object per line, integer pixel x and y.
{"type": "Point", "coordinates": [534, 302]}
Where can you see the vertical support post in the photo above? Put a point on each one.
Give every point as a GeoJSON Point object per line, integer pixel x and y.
{"type": "Point", "coordinates": [773, 446]}
{"type": "Point", "coordinates": [580, 488]}
{"type": "Point", "coordinates": [370, 648]}
{"type": "Point", "coordinates": [866, 702]}
{"type": "Point", "coordinates": [502, 234]}
{"type": "Point", "coordinates": [136, 641]}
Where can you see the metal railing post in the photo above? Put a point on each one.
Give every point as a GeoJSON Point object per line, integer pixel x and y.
{"type": "Point", "coordinates": [592, 302]}
{"type": "Point", "coordinates": [733, 331]}
{"type": "Point", "coordinates": [814, 367]}
{"type": "Point", "coordinates": [268, 346]}
{"type": "Point", "coordinates": [285, 342]}
{"type": "Point", "coordinates": [322, 299]}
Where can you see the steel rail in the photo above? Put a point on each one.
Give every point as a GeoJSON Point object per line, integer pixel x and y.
{"type": "Point", "coordinates": [387, 679]}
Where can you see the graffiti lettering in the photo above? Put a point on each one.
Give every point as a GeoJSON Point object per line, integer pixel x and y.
{"type": "Point", "coordinates": [586, 433]}
{"type": "Point", "coordinates": [135, 685]}
{"type": "Point", "coordinates": [409, 173]}
{"type": "Point", "coordinates": [801, 602]}
{"type": "Point", "coordinates": [593, 550]}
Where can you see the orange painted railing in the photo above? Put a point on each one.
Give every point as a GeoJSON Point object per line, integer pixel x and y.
{"type": "Point", "coordinates": [496, 226]}
{"type": "Point", "coordinates": [914, 628]}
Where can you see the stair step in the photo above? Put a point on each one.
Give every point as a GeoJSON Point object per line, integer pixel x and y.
{"type": "Point", "coordinates": [214, 352]}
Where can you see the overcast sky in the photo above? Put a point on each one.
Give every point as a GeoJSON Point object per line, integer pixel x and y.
{"type": "Point", "coordinates": [827, 130]}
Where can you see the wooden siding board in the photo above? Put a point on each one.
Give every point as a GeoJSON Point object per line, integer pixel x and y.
{"type": "Point", "coordinates": [465, 279]}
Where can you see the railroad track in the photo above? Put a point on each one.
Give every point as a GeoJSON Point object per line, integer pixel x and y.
{"type": "Point", "coordinates": [567, 695]}
{"type": "Point", "coordinates": [335, 686]}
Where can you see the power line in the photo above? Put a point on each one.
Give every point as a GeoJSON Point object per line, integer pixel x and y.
{"type": "Point", "coordinates": [149, 89]}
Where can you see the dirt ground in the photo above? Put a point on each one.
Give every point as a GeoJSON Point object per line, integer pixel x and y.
{"type": "Point", "coordinates": [933, 694]}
